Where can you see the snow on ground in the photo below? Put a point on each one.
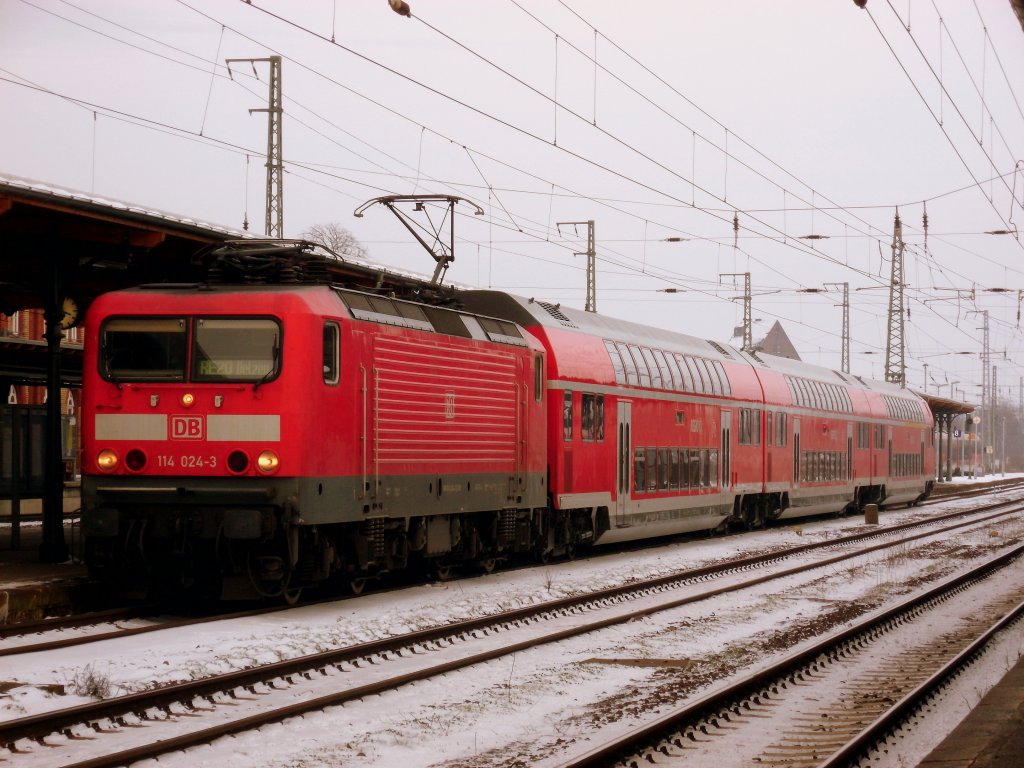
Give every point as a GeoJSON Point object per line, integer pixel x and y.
{"type": "Point", "coordinates": [480, 716]}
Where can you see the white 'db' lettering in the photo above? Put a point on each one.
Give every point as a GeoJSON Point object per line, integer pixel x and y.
{"type": "Point", "coordinates": [187, 428]}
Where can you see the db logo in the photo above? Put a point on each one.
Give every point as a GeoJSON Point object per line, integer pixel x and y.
{"type": "Point", "coordinates": [187, 428]}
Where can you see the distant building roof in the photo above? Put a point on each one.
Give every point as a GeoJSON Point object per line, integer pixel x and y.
{"type": "Point", "coordinates": [775, 342]}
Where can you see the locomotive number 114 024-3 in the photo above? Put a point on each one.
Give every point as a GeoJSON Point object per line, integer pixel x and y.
{"type": "Point", "coordinates": [187, 461]}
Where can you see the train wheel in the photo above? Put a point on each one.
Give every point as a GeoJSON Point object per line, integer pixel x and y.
{"type": "Point", "coordinates": [291, 596]}
{"type": "Point", "coordinates": [487, 565]}
{"type": "Point", "coordinates": [356, 586]}
{"type": "Point", "coordinates": [442, 572]}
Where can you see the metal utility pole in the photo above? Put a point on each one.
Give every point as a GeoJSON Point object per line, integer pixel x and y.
{"type": "Point", "coordinates": [748, 324]}
{"type": "Point", "coordinates": [274, 225]}
{"type": "Point", "coordinates": [926, 378]}
{"type": "Point", "coordinates": [591, 254]}
{"type": "Point", "coordinates": [992, 405]}
{"type": "Point", "coordinates": [986, 383]}
{"type": "Point", "coordinates": [846, 328]}
{"type": "Point", "coordinates": [895, 366]}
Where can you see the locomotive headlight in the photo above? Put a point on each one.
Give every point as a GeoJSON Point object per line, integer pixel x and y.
{"type": "Point", "coordinates": [188, 399]}
{"type": "Point", "coordinates": [267, 461]}
{"type": "Point", "coordinates": [107, 460]}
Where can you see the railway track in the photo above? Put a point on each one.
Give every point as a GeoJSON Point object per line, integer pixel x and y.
{"type": "Point", "coordinates": [832, 704]}
{"type": "Point", "coordinates": [51, 634]}
{"type": "Point", "coordinates": [241, 700]}
{"type": "Point", "coordinates": [98, 626]}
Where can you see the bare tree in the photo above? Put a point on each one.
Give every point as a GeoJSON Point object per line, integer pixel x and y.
{"type": "Point", "coordinates": [337, 238]}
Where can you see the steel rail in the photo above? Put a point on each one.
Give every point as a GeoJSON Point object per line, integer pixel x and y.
{"type": "Point", "coordinates": [73, 621]}
{"type": "Point", "coordinates": [39, 726]}
{"type": "Point", "coordinates": [644, 737]}
{"type": "Point", "coordinates": [912, 702]}
{"type": "Point", "coordinates": [611, 592]}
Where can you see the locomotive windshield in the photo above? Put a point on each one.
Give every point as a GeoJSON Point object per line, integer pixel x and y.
{"type": "Point", "coordinates": [235, 349]}
{"type": "Point", "coordinates": [144, 348]}
{"type": "Point", "coordinates": [223, 349]}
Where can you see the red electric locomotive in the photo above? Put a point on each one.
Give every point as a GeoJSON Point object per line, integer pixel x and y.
{"type": "Point", "coordinates": [287, 434]}
{"type": "Point", "coordinates": [279, 434]}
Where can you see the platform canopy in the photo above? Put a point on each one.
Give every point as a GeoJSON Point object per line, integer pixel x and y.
{"type": "Point", "coordinates": [946, 407]}
{"type": "Point", "coordinates": [93, 245]}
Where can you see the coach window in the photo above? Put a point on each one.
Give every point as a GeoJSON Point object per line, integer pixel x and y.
{"type": "Point", "coordinates": [750, 426]}
{"type": "Point", "coordinates": [691, 369]}
{"type": "Point", "coordinates": [819, 399]}
{"type": "Point", "coordinates": [684, 374]}
{"type": "Point", "coordinates": [567, 416]}
{"type": "Point", "coordinates": [632, 374]}
{"type": "Point", "coordinates": [666, 370]}
{"type": "Point", "coordinates": [713, 467]}
{"type": "Point", "coordinates": [652, 469]}
{"type": "Point", "coordinates": [641, 365]}
{"type": "Point", "coordinates": [332, 350]}
{"type": "Point", "coordinates": [592, 417]}
{"type": "Point", "coordinates": [538, 378]}
{"type": "Point", "coordinates": [705, 468]}
{"type": "Point", "coordinates": [652, 366]}
{"type": "Point", "coordinates": [716, 382]}
{"type": "Point", "coordinates": [769, 422]}
{"type": "Point", "coordinates": [673, 472]}
{"type": "Point", "coordinates": [781, 429]}
{"type": "Point", "coordinates": [616, 358]}
{"type": "Point", "coordinates": [694, 473]}
{"type": "Point", "coordinates": [705, 375]}
{"type": "Point", "coordinates": [726, 386]}
{"type": "Point", "coordinates": [639, 476]}
{"type": "Point", "coordinates": [663, 469]}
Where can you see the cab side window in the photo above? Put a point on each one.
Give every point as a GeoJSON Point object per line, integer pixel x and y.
{"type": "Point", "coordinates": [332, 353]}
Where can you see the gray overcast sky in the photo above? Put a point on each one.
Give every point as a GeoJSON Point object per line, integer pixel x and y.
{"type": "Point", "coordinates": [799, 117]}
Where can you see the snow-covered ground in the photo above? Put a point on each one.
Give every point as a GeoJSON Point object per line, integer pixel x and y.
{"type": "Point", "coordinates": [517, 710]}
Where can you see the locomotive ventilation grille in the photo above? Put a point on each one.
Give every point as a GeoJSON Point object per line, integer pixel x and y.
{"type": "Point", "coordinates": [555, 312]}
{"type": "Point", "coordinates": [725, 352]}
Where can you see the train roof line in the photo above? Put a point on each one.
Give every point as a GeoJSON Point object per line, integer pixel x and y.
{"type": "Point", "coordinates": [527, 311]}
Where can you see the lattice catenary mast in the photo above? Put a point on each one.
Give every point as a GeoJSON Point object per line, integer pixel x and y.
{"type": "Point", "coordinates": [748, 323]}
{"type": "Point", "coordinates": [591, 254]}
{"type": "Point", "coordinates": [895, 366]}
{"type": "Point", "coordinates": [845, 366]}
{"type": "Point", "coordinates": [274, 225]}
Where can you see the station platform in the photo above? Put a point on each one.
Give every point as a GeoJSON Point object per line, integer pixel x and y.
{"type": "Point", "coordinates": [31, 590]}
{"type": "Point", "coordinates": [992, 735]}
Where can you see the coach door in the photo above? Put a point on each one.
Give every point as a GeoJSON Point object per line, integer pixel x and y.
{"type": "Point", "coordinates": [796, 452]}
{"type": "Point", "coordinates": [726, 450]}
{"type": "Point", "coordinates": [625, 456]}
{"type": "Point", "coordinates": [849, 450]}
